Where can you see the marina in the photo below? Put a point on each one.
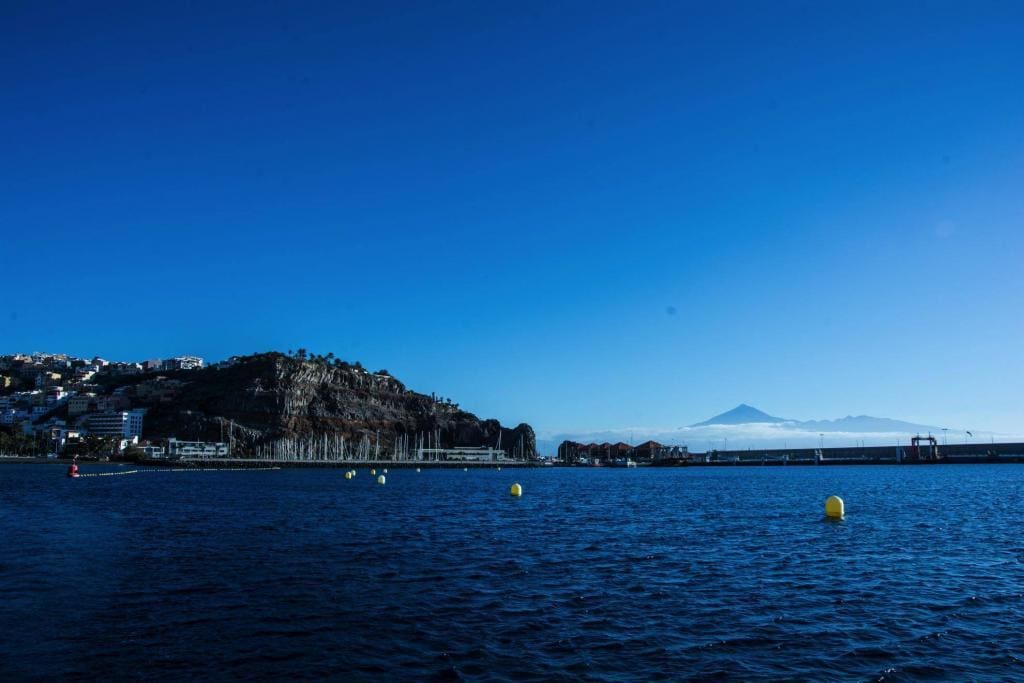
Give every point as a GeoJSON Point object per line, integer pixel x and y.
{"type": "Point", "coordinates": [337, 464]}
{"type": "Point", "coordinates": [512, 342]}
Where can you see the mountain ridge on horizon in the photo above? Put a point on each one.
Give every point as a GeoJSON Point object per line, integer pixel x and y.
{"type": "Point", "coordinates": [748, 426]}
{"type": "Point", "coordinates": [747, 414]}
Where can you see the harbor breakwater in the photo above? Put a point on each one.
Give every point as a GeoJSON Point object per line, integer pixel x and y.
{"type": "Point", "coordinates": [857, 455]}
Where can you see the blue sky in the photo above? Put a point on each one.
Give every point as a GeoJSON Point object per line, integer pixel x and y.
{"type": "Point", "coordinates": [583, 216]}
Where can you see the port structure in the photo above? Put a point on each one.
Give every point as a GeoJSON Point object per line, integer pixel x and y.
{"type": "Point", "coordinates": [931, 450]}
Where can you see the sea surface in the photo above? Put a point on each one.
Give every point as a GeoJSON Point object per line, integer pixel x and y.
{"type": "Point", "coordinates": [594, 574]}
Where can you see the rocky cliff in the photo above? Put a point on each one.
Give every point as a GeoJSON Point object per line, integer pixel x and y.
{"type": "Point", "coordinates": [273, 398]}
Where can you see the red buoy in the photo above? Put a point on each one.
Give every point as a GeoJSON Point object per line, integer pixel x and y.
{"type": "Point", "coordinates": [73, 470]}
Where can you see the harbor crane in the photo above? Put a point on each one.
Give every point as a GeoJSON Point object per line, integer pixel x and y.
{"type": "Point", "coordinates": [931, 450]}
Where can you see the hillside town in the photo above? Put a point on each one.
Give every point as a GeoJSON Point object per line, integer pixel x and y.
{"type": "Point", "coordinates": [61, 404]}
{"type": "Point", "coordinates": [292, 407]}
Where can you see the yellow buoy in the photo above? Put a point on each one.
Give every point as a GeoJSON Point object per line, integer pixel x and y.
{"type": "Point", "coordinates": [373, 471]}
{"type": "Point", "coordinates": [381, 479]}
{"type": "Point", "coordinates": [348, 475]}
{"type": "Point", "coordinates": [516, 490]}
{"type": "Point", "coordinates": [834, 507]}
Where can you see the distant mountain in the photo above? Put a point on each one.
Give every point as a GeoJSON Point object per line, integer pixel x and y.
{"type": "Point", "coordinates": [866, 423]}
{"type": "Point", "coordinates": [744, 414]}
{"type": "Point", "coordinates": [746, 426]}
{"type": "Point", "coordinates": [740, 415]}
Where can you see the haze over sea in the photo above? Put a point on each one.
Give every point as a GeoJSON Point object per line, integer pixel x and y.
{"type": "Point", "coordinates": [594, 573]}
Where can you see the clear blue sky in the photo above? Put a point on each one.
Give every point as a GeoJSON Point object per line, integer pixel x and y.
{"type": "Point", "coordinates": [582, 215]}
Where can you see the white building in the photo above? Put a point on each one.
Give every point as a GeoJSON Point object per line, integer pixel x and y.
{"type": "Point", "coordinates": [464, 453]}
{"type": "Point", "coordinates": [59, 435]}
{"type": "Point", "coordinates": [196, 449]}
{"type": "Point", "coordinates": [184, 363]}
{"type": "Point", "coordinates": [55, 395]}
{"type": "Point", "coordinates": [123, 423]}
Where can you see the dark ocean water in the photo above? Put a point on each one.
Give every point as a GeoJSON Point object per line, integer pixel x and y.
{"type": "Point", "coordinates": [594, 574]}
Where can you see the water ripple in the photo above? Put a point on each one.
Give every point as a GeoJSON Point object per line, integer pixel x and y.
{"type": "Point", "coordinates": [592, 575]}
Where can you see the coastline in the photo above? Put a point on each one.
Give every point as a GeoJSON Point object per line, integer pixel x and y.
{"type": "Point", "coordinates": [388, 464]}
{"type": "Point", "coordinates": [244, 463]}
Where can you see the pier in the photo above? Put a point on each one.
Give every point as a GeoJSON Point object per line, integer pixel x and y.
{"type": "Point", "coordinates": [242, 463]}
{"type": "Point", "coordinates": [926, 452]}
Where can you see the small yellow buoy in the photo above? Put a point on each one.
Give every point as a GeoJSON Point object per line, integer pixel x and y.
{"type": "Point", "coordinates": [348, 475]}
{"type": "Point", "coordinates": [516, 490]}
{"type": "Point", "coordinates": [381, 479]}
{"type": "Point", "coordinates": [834, 507]}
{"type": "Point", "coordinates": [373, 471]}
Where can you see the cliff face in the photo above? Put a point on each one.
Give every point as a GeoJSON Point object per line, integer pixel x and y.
{"type": "Point", "coordinates": [268, 397]}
